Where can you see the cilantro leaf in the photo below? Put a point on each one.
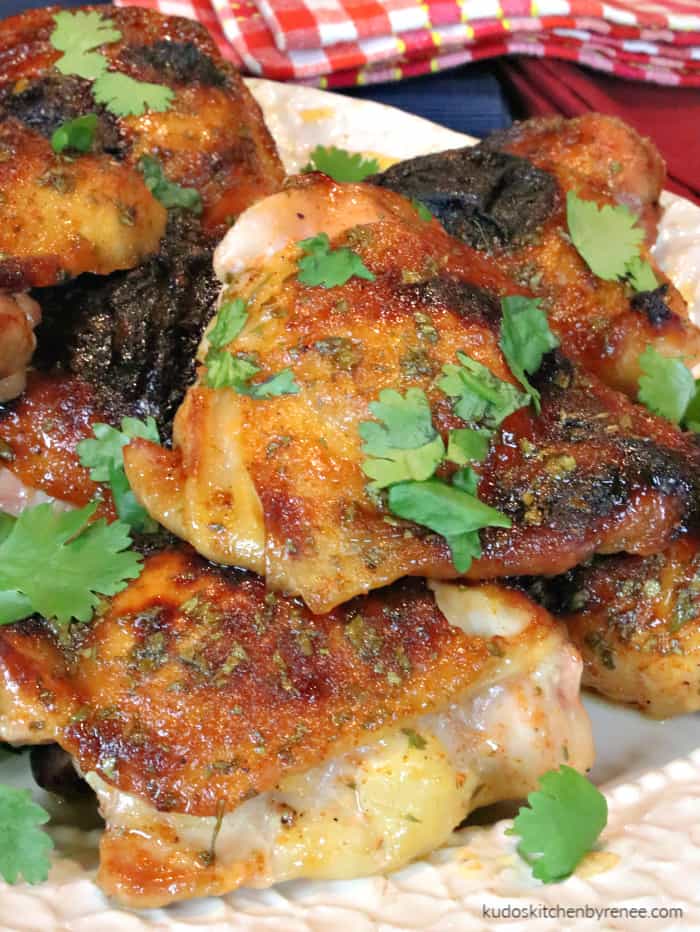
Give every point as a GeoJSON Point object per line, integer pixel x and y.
{"type": "Point", "coordinates": [407, 422]}
{"type": "Point", "coordinates": [421, 210]}
{"type": "Point", "coordinates": [666, 386]}
{"type": "Point", "coordinates": [328, 267]}
{"type": "Point", "coordinates": [126, 504]}
{"type": "Point", "coordinates": [466, 479]}
{"type": "Point", "coordinates": [78, 560]}
{"type": "Point", "coordinates": [14, 606]}
{"type": "Point", "coordinates": [24, 847]}
{"type": "Point", "coordinates": [341, 165]}
{"type": "Point", "coordinates": [230, 320]}
{"type": "Point", "coordinates": [104, 453]}
{"type": "Point", "coordinates": [525, 338]}
{"type": "Point", "coordinates": [607, 238]}
{"type": "Point", "coordinates": [449, 511]}
{"type": "Point", "coordinates": [481, 396]}
{"type": "Point", "coordinates": [125, 96]}
{"type": "Point", "coordinates": [281, 383]}
{"type": "Point", "coordinates": [563, 821]}
{"type": "Point", "coordinates": [77, 35]}
{"type": "Point", "coordinates": [405, 445]}
{"type": "Point", "coordinates": [464, 548]}
{"type": "Point", "coordinates": [227, 371]}
{"type": "Point", "coordinates": [691, 419]}
{"type": "Point", "coordinates": [7, 522]}
{"type": "Point", "coordinates": [641, 275]}
{"type": "Point", "coordinates": [467, 445]}
{"type": "Point", "coordinates": [169, 193]}
{"type": "Point", "coordinates": [77, 134]}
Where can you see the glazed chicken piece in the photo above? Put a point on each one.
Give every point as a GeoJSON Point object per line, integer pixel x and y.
{"type": "Point", "coordinates": [233, 738]}
{"type": "Point", "coordinates": [276, 485]}
{"type": "Point", "coordinates": [93, 213]}
{"type": "Point", "coordinates": [636, 621]}
{"type": "Point", "coordinates": [63, 215]}
{"type": "Point", "coordinates": [507, 198]}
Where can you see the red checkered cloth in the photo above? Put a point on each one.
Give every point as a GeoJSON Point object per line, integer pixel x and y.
{"type": "Point", "coordinates": [337, 43]}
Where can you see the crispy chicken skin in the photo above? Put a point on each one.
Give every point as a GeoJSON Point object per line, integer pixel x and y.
{"type": "Point", "coordinates": [507, 197]}
{"type": "Point", "coordinates": [636, 622]}
{"type": "Point", "coordinates": [39, 433]}
{"type": "Point", "coordinates": [277, 485]}
{"type": "Point", "coordinates": [60, 217]}
{"type": "Point", "coordinates": [233, 737]}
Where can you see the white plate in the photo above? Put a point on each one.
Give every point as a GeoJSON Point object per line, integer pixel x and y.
{"type": "Point", "coordinates": [650, 855]}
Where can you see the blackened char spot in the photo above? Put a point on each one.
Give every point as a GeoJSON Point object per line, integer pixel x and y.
{"type": "Point", "coordinates": [653, 305]}
{"type": "Point", "coordinates": [558, 594]}
{"type": "Point", "coordinates": [133, 335]}
{"type": "Point", "coordinates": [490, 200]}
{"type": "Point", "coordinates": [54, 99]}
{"type": "Point", "coordinates": [465, 299]}
{"type": "Point", "coordinates": [182, 62]}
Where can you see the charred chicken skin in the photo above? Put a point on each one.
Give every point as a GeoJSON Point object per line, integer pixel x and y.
{"type": "Point", "coordinates": [235, 738]}
{"type": "Point", "coordinates": [276, 485]}
{"type": "Point", "coordinates": [507, 198]}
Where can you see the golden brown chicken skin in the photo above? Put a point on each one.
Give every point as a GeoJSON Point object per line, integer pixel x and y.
{"type": "Point", "coordinates": [277, 485]}
{"type": "Point", "coordinates": [62, 216]}
{"type": "Point", "coordinates": [507, 197]}
{"type": "Point", "coordinates": [636, 621]}
{"type": "Point", "coordinates": [203, 666]}
{"type": "Point", "coordinates": [39, 433]}
{"type": "Point", "coordinates": [234, 738]}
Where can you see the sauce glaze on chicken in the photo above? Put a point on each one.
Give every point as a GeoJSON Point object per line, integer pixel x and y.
{"type": "Point", "coordinates": [277, 485]}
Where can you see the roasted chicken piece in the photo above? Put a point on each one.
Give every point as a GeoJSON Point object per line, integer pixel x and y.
{"type": "Point", "coordinates": [636, 620]}
{"type": "Point", "coordinates": [276, 485]}
{"type": "Point", "coordinates": [233, 738]}
{"type": "Point", "coordinates": [39, 433]}
{"type": "Point", "coordinates": [60, 216]}
{"type": "Point", "coordinates": [507, 198]}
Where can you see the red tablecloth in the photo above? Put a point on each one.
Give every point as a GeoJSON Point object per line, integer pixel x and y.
{"type": "Point", "coordinates": [671, 116]}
